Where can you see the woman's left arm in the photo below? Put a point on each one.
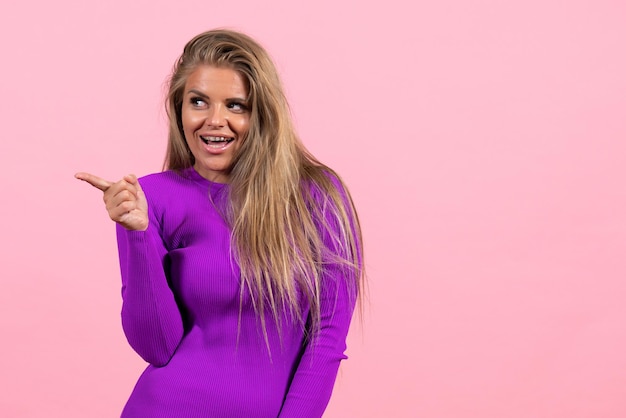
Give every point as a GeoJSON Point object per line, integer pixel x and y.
{"type": "Point", "coordinates": [313, 382]}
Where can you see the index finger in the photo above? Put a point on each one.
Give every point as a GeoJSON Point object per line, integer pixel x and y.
{"type": "Point", "coordinates": [95, 181]}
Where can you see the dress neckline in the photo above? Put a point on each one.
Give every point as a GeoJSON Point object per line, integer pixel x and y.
{"type": "Point", "coordinates": [191, 173]}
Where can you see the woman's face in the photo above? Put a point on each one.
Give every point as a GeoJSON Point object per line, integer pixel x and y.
{"type": "Point", "coordinates": [215, 118]}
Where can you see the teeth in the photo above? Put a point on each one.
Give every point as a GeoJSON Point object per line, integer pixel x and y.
{"type": "Point", "coordinates": [215, 138]}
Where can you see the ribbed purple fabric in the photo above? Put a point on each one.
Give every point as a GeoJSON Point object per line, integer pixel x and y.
{"type": "Point", "coordinates": [181, 313]}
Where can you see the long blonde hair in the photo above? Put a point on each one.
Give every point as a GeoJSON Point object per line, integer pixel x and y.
{"type": "Point", "coordinates": [292, 217]}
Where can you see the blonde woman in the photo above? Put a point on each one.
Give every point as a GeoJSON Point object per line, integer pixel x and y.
{"type": "Point", "coordinates": [241, 262]}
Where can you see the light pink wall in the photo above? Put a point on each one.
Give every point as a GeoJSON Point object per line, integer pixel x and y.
{"type": "Point", "coordinates": [484, 143]}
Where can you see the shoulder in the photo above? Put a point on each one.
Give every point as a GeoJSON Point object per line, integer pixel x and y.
{"type": "Point", "coordinates": [158, 180]}
{"type": "Point", "coordinates": [326, 185]}
{"type": "Point", "coordinates": [167, 182]}
{"type": "Point", "coordinates": [328, 200]}
{"type": "Point", "coordinates": [162, 189]}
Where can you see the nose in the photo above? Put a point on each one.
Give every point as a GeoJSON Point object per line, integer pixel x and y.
{"type": "Point", "coordinates": [217, 116]}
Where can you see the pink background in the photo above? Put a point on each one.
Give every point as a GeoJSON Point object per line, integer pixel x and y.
{"type": "Point", "coordinates": [484, 143]}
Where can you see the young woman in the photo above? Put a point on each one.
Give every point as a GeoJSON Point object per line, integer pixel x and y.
{"type": "Point", "coordinates": [241, 262]}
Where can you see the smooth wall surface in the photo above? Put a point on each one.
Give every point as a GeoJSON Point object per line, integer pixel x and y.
{"type": "Point", "coordinates": [484, 144]}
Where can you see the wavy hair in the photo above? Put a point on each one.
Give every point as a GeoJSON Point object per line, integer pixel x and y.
{"type": "Point", "coordinates": [292, 217]}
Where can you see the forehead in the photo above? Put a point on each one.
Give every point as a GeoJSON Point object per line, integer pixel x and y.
{"type": "Point", "coordinates": [216, 80]}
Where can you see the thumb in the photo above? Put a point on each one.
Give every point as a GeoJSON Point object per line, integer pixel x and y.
{"type": "Point", "coordinates": [132, 179]}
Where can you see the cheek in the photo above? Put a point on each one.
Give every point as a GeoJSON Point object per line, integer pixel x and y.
{"type": "Point", "coordinates": [190, 121]}
{"type": "Point", "coordinates": [242, 125]}
{"type": "Point", "coordinates": [188, 134]}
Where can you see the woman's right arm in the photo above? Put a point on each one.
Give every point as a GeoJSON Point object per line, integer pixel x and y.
{"type": "Point", "coordinates": [150, 316]}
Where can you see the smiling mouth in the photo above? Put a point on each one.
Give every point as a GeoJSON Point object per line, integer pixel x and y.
{"type": "Point", "coordinates": [217, 141]}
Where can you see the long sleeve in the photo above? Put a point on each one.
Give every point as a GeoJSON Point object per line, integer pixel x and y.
{"type": "Point", "coordinates": [312, 385]}
{"type": "Point", "coordinates": [313, 382]}
{"type": "Point", "coordinates": [185, 312]}
{"type": "Point", "coordinates": [150, 315]}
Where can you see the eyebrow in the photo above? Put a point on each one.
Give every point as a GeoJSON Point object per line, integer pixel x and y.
{"type": "Point", "coordinates": [198, 93]}
{"type": "Point", "coordinates": [204, 96]}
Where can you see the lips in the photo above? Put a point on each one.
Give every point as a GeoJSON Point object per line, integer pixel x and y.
{"type": "Point", "coordinates": [217, 142]}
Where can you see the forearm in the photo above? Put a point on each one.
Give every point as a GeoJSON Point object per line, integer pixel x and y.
{"type": "Point", "coordinates": [311, 388]}
{"type": "Point", "coordinates": [312, 384]}
{"type": "Point", "coordinates": [150, 315]}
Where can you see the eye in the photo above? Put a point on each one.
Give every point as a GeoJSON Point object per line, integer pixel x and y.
{"type": "Point", "coordinates": [237, 107]}
{"type": "Point", "coordinates": [197, 102]}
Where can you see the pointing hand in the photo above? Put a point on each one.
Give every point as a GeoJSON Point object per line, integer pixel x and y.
{"type": "Point", "coordinates": [124, 200]}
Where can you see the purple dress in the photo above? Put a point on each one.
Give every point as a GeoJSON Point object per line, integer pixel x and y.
{"type": "Point", "coordinates": [206, 351]}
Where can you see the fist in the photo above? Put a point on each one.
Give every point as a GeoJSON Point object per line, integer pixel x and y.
{"type": "Point", "coordinates": [125, 201]}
